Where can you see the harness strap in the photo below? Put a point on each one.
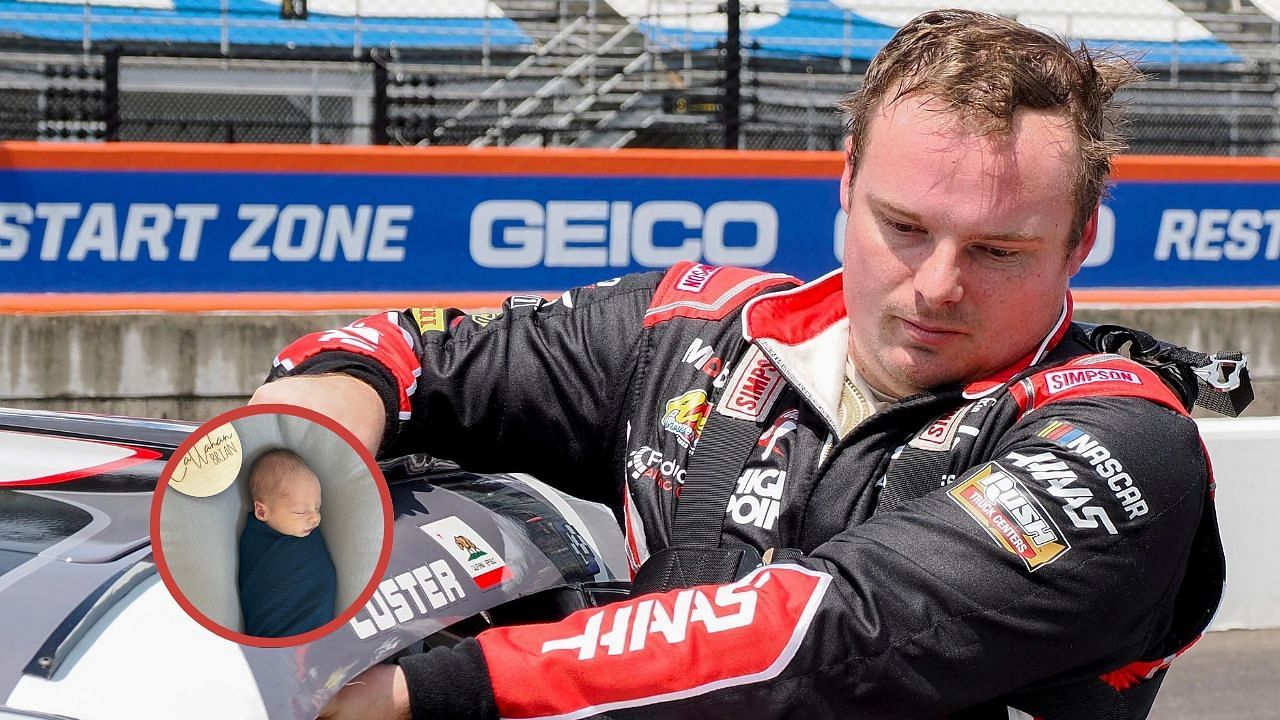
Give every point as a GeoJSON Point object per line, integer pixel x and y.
{"type": "Point", "coordinates": [1217, 382]}
{"type": "Point", "coordinates": [722, 452]}
{"type": "Point", "coordinates": [694, 555]}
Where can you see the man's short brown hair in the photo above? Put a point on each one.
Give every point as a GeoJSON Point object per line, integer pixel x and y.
{"type": "Point", "coordinates": [272, 470]}
{"type": "Point", "coordinates": [983, 68]}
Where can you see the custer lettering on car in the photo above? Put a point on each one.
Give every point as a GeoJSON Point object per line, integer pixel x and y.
{"type": "Point", "coordinates": [388, 608]}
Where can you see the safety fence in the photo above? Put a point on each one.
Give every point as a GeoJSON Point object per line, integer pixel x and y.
{"type": "Point", "coordinates": [566, 73]}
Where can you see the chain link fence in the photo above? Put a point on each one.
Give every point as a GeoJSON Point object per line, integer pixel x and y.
{"type": "Point", "coordinates": [569, 73]}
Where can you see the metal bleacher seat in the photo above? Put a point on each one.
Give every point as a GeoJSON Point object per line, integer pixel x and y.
{"type": "Point", "coordinates": [1154, 30]}
{"type": "Point", "coordinates": [331, 23]}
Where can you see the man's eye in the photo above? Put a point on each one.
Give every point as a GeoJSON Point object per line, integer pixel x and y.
{"type": "Point", "coordinates": [901, 227]}
{"type": "Point", "coordinates": [1002, 253]}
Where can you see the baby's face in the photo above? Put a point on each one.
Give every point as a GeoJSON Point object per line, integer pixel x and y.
{"type": "Point", "coordinates": [295, 510]}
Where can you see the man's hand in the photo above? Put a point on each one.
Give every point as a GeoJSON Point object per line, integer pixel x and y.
{"type": "Point", "coordinates": [379, 693]}
{"type": "Point", "coordinates": [351, 403]}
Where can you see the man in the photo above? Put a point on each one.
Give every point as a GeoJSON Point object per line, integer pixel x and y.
{"type": "Point", "coordinates": [981, 515]}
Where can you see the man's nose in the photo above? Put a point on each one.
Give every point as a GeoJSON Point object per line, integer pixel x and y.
{"type": "Point", "coordinates": [939, 278]}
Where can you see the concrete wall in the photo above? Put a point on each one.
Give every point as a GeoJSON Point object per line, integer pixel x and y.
{"type": "Point", "coordinates": [1248, 499]}
{"type": "Point", "coordinates": [193, 366]}
{"type": "Point", "coordinates": [1255, 330]}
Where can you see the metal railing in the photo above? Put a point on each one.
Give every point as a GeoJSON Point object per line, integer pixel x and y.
{"type": "Point", "coordinates": [582, 76]}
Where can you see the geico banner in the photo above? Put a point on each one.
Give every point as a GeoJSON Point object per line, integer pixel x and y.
{"type": "Point", "coordinates": [336, 226]}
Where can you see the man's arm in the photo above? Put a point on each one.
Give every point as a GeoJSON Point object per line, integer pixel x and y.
{"type": "Point", "coordinates": [350, 402]}
{"type": "Point", "coordinates": [922, 611]}
{"type": "Point", "coordinates": [538, 387]}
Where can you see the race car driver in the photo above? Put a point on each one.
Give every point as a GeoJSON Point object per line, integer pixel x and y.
{"type": "Point", "coordinates": [968, 510]}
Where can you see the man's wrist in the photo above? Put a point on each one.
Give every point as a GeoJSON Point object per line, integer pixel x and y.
{"type": "Point", "coordinates": [449, 683]}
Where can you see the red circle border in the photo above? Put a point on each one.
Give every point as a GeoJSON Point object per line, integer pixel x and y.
{"type": "Point", "coordinates": [388, 526]}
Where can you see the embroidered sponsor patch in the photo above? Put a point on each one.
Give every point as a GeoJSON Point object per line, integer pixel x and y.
{"type": "Point", "coordinates": [753, 387]}
{"type": "Point", "coordinates": [647, 463]}
{"type": "Point", "coordinates": [703, 357]}
{"type": "Point", "coordinates": [1006, 509]}
{"type": "Point", "coordinates": [484, 318]}
{"type": "Point", "coordinates": [1064, 484]}
{"type": "Point", "coordinates": [685, 416]}
{"type": "Point", "coordinates": [940, 435]}
{"type": "Point", "coordinates": [429, 319]}
{"type": "Point", "coordinates": [757, 498]}
{"type": "Point", "coordinates": [1107, 466]}
{"type": "Point", "coordinates": [620, 656]}
{"type": "Point", "coordinates": [521, 301]}
{"type": "Point", "coordinates": [771, 440]}
{"type": "Point", "coordinates": [704, 292]}
{"type": "Point", "coordinates": [1057, 381]}
{"type": "Point", "coordinates": [473, 553]}
{"type": "Point", "coordinates": [696, 278]}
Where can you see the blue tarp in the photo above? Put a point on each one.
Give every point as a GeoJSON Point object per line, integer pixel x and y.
{"type": "Point", "coordinates": [817, 29]}
{"type": "Point", "coordinates": [821, 29]}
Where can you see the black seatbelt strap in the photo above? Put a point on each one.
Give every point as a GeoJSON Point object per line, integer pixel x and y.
{"type": "Point", "coordinates": [713, 472]}
{"type": "Point", "coordinates": [694, 555]}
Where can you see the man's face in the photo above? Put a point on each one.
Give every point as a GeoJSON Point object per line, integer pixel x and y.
{"type": "Point", "coordinates": [295, 509]}
{"type": "Point", "coordinates": [955, 254]}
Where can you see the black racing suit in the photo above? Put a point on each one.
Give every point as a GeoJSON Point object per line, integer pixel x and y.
{"type": "Point", "coordinates": [1065, 548]}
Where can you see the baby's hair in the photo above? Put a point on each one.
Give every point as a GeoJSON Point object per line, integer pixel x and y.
{"type": "Point", "coordinates": [272, 470]}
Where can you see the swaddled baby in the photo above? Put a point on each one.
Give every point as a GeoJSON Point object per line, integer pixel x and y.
{"type": "Point", "coordinates": [287, 581]}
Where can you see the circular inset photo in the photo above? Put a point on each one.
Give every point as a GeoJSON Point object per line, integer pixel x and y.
{"type": "Point", "coordinates": [271, 525]}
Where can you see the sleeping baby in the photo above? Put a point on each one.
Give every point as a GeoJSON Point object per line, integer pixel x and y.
{"type": "Point", "coordinates": [287, 580]}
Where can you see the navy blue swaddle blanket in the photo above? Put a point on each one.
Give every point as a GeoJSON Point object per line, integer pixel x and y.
{"type": "Point", "coordinates": [287, 584]}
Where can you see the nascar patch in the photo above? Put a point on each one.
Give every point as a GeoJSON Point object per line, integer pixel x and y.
{"type": "Point", "coordinates": [706, 292]}
{"type": "Point", "coordinates": [1010, 514]}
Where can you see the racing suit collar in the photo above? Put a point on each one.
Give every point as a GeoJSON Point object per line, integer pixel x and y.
{"type": "Point", "coordinates": [805, 333]}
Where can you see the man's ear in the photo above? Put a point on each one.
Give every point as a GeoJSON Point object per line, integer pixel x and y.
{"type": "Point", "coordinates": [846, 177]}
{"type": "Point", "coordinates": [1087, 237]}
{"type": "Point", "coordinates": [259, 510]}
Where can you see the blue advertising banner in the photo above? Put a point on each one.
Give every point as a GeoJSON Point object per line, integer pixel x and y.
{"type": "Point", "coordinates": [105, 230]}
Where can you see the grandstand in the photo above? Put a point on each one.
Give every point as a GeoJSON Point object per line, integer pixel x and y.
{"type": "Point", "coordinates": [589, 73]}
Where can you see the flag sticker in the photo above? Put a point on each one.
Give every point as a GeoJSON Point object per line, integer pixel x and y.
{"type": "Point", "coordinates": [473, 553]}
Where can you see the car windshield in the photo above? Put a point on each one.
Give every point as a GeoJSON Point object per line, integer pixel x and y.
{"type": "Point", "coordinates": [31, 524]}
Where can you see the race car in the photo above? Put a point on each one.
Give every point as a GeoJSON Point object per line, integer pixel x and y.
{"type": "Point", "coordinates": [89, 630]}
